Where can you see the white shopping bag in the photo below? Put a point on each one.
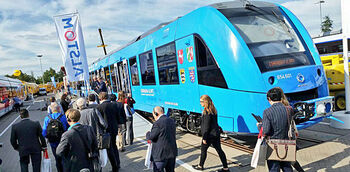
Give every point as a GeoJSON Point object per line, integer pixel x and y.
{"type": "Point", "coordinates": [46, 163]}
{"type": "Point", "coordinates": [103, 157]}
{"type": "Point", "coordinates": [255, 157]}
{"type": "Point", "coordinates": [148, 162]}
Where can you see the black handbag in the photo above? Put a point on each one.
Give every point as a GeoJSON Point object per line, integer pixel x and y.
{"type": "Point", "coordinates": [103, 140]}
{"type": "Point", "coordinates": [93, 156]}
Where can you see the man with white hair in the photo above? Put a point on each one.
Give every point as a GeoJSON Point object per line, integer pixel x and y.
{"type": "Point", "coordinates": [91, 117]}
{"type": "Point", "coordinates": [55, 124]}
{"type": "Point", "coordinates": [53, 100]}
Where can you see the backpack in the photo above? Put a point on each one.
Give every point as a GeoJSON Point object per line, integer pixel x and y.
{"type": "Point", "coordinates": [54, 129]}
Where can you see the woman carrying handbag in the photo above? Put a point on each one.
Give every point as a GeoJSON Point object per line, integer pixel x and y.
{"type": "Point", "coordinates": [275, 123]}
{"type": "Point", "coordinates": [210, 133]}
{"type": "Point", "coordinates": [285, 102]}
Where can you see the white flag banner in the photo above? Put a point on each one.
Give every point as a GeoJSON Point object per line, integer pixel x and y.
{"type": "Point", "coordinates": [345, 5]}
{"type": "Point", "coordinates": [71, 41]}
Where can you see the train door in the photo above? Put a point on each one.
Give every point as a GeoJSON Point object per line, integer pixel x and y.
{"type": "Point", "coordinates": [114, 85]}
{"type": "Point", "coordinates": [123, 76]}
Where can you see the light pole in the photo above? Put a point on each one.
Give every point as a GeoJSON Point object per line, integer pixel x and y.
{"type": "Point", "coordinates": [39, 55]}
{"type": "Point", "coordinates": [320, 2]}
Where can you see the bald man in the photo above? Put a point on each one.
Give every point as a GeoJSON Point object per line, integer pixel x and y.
{"type": "Point", "coordinates": [162, 135]}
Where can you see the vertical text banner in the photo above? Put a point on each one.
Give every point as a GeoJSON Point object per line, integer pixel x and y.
{"type": "Point", "coordinates": [71, 41]}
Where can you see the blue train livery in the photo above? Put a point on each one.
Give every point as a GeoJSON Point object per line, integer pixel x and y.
{"type": "Point", "coordinates": [234, 52]}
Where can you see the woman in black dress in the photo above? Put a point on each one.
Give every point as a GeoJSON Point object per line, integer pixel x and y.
{"type": "Point", "coordinates": [210, 133]}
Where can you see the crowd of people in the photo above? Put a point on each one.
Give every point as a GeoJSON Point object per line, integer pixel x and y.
{"type": "Point", "coordinates": [78, 136]}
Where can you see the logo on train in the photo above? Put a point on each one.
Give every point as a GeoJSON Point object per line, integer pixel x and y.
{"type": "Point", "coordinates": [300, 78]}
{"type": "Point", "coordinates": [189, 52]}
{"type": "Point", "coordinates": [192, 74]}
{"type": "Point", "coordinates": [180, 54]}
{"type": "Point", "coordinates": [182, 75]}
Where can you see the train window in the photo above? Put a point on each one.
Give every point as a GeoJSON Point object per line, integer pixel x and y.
{"type": "Point", "coordinates": [134, 71]}
{"type": "Point", "coordinates": [331, 47]}
{"type": "Point", "coordinates": [147, 68]}
{"type": "Point", "coordinates": [208, 71]}
{"type": "Point", "coordinates": [270, 37]}
{"type": "Point", "coordinates": [167, 64]}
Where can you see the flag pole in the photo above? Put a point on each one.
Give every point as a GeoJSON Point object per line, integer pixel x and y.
{"type": "Point", "coordinates": [344, 116]}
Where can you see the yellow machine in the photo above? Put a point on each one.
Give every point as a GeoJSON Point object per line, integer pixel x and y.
{"type": "Point", "coordinates": [30, 88]}
{"type": "Point", "coordinates": [334, 68]}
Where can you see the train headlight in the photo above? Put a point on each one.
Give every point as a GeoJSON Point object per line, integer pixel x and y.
{"type": "Point", "coordinates": [319, 72]}
{"type": "Point", "coordinates": [320, 109]}
{"type": "Point", "coordinates": [271, 79]}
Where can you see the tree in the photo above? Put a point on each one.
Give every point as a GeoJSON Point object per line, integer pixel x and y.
{"type": "Point", "coordinates": [50, 73]}
{"type": "Point", "coordinates": [327, 24]}
{"type": "Point", "coordinates": [23, 77]}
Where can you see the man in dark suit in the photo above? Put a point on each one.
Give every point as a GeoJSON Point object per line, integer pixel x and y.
{"type": "Point", "coordinates": [76, 143]}
{"type": "Point", "coordinates": [27, 139]}
{"type": "Point", "coordinates": [119, 105]}
{"type": "Point", "coordinates": [92, 101]}
{"type": "Point", "coordinates": [111, 117]}
{"type": "Point", "coordinates": [101, 86]}
{"type": "Point", "coordinates": [275, 125]}
{"type": "Point", "coordinates": [94, 84]}
{"type": "Point", "coordinates": [164, 148]}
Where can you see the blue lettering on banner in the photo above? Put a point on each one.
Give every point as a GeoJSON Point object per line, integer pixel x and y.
{"type": "Point", "coordinates": [80, 71]}
{"type": "Point", "coordinates": [73, 47]}
{"type": "Point", "coordinates": [68, 24]}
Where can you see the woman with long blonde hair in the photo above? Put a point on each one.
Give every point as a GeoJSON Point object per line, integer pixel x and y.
{"type": "Point", "coordinates": [210, 133]}
{"type": "Point", "coordinates": [121, 97]}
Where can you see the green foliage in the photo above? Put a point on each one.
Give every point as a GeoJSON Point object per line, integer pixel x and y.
{"type": "Point", "coordinates": [50, 73]}
{"type": "Point", "coordinates": [23, 77]}
{"type": "Point", "coordinates": [47, 77]}
{"type": "Point", "coordinates": [327, 24]}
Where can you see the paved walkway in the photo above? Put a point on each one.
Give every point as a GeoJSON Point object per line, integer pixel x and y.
{"type": "Point", "coordinates": [332, 155]}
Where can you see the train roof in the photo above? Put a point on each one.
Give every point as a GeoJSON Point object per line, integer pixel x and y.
{"type": "Point", "coordinates": [218, 6]}
{"type": "Point", "coordinates": [337, 36]}
{"type": "Point", "coordinates": [9, 82]}
{"type": "Point", "coordinates": [138, 38]}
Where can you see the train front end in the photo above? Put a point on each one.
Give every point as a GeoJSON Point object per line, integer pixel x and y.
{"type": "Point", "coordinates": [285, 55]}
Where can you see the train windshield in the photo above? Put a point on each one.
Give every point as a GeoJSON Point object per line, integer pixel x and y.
{"type": "Point", "coordinates": [269, 36]}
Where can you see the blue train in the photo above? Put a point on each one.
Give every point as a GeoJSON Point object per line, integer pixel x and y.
{"type": "Point", "coordinates": [234, 52]}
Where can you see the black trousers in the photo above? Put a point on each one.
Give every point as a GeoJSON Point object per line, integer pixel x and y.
{"type": "Point", "coordinates": [129, 131]}
{"type": "Point", "coordinates": [276, 166]}
{"type": "Point", "coordinates": [217, 145]}
{"type": "Point", "coordinates": [16, 106]}
{"type": "Point", "coordinates": [168, 165]}
{"type": "Point", "coordinates": [36, 162]}
{"type": "Point", "coordinates": [59, 161]}
{"type": "Point", "coordinates": [113, 154]}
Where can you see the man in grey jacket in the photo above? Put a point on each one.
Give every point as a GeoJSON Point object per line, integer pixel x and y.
{"type": "Point", "coordinates": [76, 144]}
{"type": "Point", "coordinates": [91, 117]}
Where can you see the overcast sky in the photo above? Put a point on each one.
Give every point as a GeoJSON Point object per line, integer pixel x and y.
{"type": "Point", "coordinates": [27, 27]}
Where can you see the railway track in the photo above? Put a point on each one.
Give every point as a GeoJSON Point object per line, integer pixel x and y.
{"type": "Point", "coordinates": [245, 148]}
{"type": "Point", "coordinates": [224, 141]}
